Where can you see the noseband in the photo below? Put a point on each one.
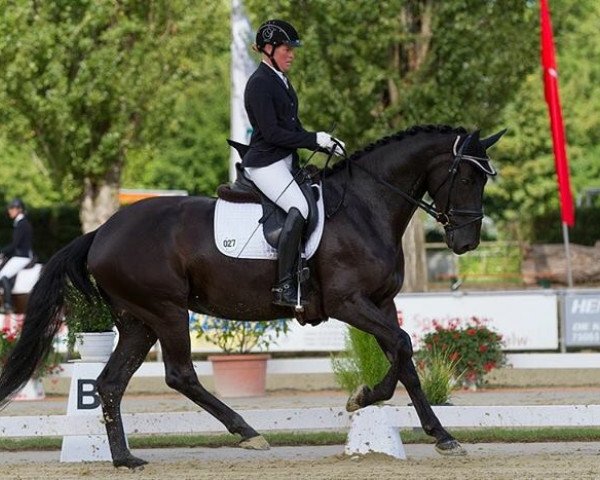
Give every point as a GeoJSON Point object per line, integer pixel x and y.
{"type": "Point", "coordinates": [445, 218]}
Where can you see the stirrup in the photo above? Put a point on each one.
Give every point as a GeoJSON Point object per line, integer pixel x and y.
{"type": "Point", "coordinates": [285, 295]}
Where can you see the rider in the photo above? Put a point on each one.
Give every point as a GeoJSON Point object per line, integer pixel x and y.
{"type": "Point", "coordinates": [271, 161]}
{"type": "Point", "coordinates": [19, 250]}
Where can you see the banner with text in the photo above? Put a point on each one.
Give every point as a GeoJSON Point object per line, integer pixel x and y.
{"type": "Point", "coordinates": [526, 320]}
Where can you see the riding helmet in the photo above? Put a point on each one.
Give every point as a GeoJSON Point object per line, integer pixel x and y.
{"type": "Point", "coordinates": [277, 32]}
{"type": "Point", "coordinates": [16, 203]}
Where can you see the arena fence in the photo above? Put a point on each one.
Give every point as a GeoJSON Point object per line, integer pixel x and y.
{"type": "Point", "coordinates": [302, 419]}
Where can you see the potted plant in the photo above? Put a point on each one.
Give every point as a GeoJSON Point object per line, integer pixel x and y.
{"type": "Point", "coordinates": [89, 326]}
{"type": "Point", "coordinates": [474, 348]}
{"type": "Point", "coordinates": [238, 371]}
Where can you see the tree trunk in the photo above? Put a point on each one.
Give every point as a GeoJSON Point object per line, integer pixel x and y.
{"type": "Point", "coordinates": [415, 258]}
{"type": "Point", "coordinates": [100, 199]}
{"type": "Point", "coordinates": [407, 58]}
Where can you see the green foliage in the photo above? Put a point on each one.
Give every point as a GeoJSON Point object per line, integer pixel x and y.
{"type": "Point", "coordinates": [85, 315]}
{"type": "Point", "coordinates": [376, 67]}
{"type": "Point", "coordinates": [234, 336]}
{"type": "Point", "coordinates": [191, 153]}
{"type": "Point", "coordinates": [547, 227]}
{"type": "Point", "coordinates": [527, 184]}
{"type": "Point", "coordinates": [475, 349]}
{"type": "Point", "coordinates": [497, 261]}
{"type": "Point", "coordinates": [26, 176]}
{"type": "Point", "coordinates": [438, 375]}
{"type": "Point", "coordinates": [81, 80]}
{"type": "Point", "coordinates": [362, 363]}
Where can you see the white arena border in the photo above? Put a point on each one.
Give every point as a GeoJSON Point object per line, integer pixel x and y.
{"type": "Point", "coordinates": [315, 365]}
{"type": "Point", "coordinates": [302, 419]}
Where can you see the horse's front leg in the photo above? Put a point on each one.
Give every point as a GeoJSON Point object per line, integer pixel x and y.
{"type": "Point", "coordinates": [445, 444]}
{"type": "Point", "coordinates": [381, 322]}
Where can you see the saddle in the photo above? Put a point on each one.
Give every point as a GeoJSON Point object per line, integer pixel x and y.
{"type": "Point", "coordinates": [243, 190]}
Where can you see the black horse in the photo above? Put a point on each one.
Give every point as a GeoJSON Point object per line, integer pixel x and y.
{"type": "Point", "coordinates": [155, 259]}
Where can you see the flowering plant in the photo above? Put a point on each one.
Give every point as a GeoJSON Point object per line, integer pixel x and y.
{"type": "Point", "coordinates": [475, 348]}
{"type": "Point", "coordinates": [50, 364]}
{"type": "Point", "coordinates": [236, 336]}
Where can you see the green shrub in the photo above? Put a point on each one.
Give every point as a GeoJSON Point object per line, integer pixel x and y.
{"type": "Point", "coordinates": [85, 316]}
{"type": "Point", "coordinates": [474, 347]}
{"type": "Point", "coordinates": [363, 361]}
{"type": "Point", "coordinates": [547, 228]}
{"type": "Point", "coordinates": [438, 375]}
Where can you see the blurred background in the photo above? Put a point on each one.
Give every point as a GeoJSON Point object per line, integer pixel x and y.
{"type": "Point", "coordinates": [98, 97]}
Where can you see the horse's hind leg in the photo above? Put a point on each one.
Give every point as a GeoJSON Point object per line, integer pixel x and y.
{"type": "Point", "coordinates": [135, 340]}
{"type": "Point", "coordinates": [180, 375]}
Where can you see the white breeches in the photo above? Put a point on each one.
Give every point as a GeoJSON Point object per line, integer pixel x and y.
{"type": "Point", "coordinates": [278, 184]}
{"type": "Point", "coordinates": [14, 266]}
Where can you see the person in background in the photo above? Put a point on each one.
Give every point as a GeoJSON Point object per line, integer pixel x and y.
{"type": "Point", "coordinates": [271, 160]}
{"type": "Point", "coordinates": [19, 252]}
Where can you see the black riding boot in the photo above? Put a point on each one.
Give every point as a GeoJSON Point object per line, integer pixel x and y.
{"type": "Point", "coordinates": [285, 292]}
{"type": "Point", "coordinates": [6, 295]}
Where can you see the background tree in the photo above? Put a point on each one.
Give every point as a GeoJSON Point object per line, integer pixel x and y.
{"type": "Point", "coordinates": [377, 67]}
{"type": "Point", "coordinates": [192, 153]}
{"type": "Point", "coordinates": [527, 184]}
{"type": "Point", "coordinates": [81, 79]}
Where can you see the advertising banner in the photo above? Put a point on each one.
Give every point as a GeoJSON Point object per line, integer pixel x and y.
{"type": "Point", "coordinates": [582, 319]}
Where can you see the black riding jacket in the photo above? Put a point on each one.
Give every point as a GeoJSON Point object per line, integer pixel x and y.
{"type": "Point", "coordinates": [22, 240]}
{"type": "Point", "coordinates": [273, 113]}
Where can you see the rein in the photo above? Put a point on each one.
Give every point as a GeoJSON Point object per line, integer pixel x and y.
{"type": "Point", "coordinates": [445, 217]}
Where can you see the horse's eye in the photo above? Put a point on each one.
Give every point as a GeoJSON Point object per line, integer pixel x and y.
{"type": "Point", "coordinates": [466, 181]}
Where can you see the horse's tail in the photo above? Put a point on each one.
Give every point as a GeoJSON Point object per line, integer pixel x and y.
{"type": "Point", "coordinates": [43, 317]}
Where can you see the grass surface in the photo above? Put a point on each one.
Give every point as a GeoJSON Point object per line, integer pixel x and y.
{"type": "Point", "coordinates": [484, 435]}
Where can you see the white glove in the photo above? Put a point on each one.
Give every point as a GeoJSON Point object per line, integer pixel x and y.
{"type": "Point", "coordinates": [331, 144]}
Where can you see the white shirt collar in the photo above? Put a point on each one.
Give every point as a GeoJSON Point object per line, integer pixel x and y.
{"type": "Point", "coordinates": [18, 218]}
{"type": "Point", "coordinates": [279, 74]}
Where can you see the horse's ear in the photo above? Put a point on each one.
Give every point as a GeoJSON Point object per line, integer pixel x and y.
{"type": "Point", "coordinates": [491, 140]}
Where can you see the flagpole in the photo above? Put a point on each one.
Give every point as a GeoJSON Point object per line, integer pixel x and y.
{"type": "Point", "coordinates": [550, 75]}
{"type": "Point", "coordinates": [567, 254]}
{"type": "Point", "coordinates": [242, 67]}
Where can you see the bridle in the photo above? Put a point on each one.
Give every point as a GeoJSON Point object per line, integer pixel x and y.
{"type": "Point", "coordinates": [445, 217]}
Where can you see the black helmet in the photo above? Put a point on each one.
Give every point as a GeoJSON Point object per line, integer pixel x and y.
{"type": "Point", "coordinates": [16, 203]}
{"type": "Point", "coordinates": [277, 32]}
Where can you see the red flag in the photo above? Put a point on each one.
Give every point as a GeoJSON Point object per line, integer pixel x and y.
{"type": "Point", "coordinates": [556, 122]}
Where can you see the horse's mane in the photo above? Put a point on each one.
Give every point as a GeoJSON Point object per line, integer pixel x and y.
{"type": "Point", "coordinates": [398, 136]}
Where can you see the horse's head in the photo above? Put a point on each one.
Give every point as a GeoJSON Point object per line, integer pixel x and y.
{"type": "Point", "coordinates": [457, 189]}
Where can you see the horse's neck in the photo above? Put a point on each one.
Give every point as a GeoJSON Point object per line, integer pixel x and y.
{"type": "Point", "coordinates": [405, 171]}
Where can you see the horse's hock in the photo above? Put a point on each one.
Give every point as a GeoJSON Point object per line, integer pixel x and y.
{"type": "Point", "coordinates": [548, 263]}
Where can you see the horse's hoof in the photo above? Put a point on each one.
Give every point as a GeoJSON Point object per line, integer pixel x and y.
{"type": "Point", "coordinates": [357, 399]}
{"type": "Point", "coordinates": [255, 443]}
{"type": "Point", "coordinates": [130, 462]}
{"type": "Point", "coordinates": [450, 448]}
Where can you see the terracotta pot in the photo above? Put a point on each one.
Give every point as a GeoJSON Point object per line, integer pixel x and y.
{"type": "Point", "coordinates": [240, 375]}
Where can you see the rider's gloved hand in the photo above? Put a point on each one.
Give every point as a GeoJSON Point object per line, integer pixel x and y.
{"type": "Point", "coordinates": [330, 144]}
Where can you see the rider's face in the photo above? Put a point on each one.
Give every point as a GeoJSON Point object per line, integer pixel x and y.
{"type": "Point", "coordinates": [13, 212]}
{"type": "Point", "coordinates": [284, 57]}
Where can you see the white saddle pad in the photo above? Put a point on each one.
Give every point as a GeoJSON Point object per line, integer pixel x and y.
{"type": "Point", "coordinates": [238, 233]}
{"type": "Point", "coordinates": [26, 279]}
